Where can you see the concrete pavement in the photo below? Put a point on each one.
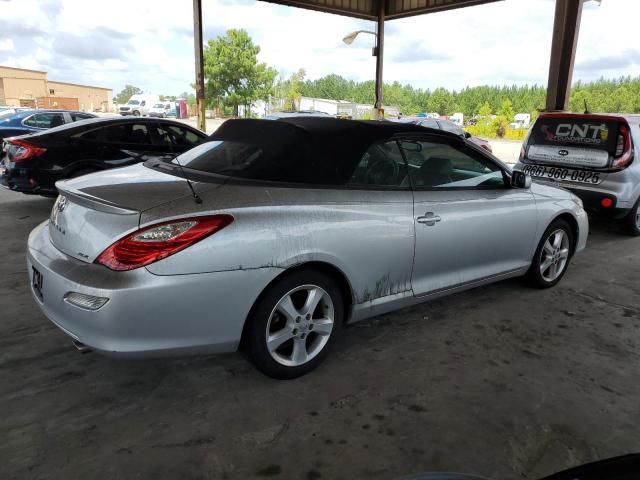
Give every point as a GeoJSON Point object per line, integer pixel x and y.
{"type": "Point", "coordinates": [502, 381]}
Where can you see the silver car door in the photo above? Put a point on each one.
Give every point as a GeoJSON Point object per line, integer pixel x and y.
{"type": "Point", "coordinates": [381, 256]}
{"type": "Point", "coordinates": [469, 223]}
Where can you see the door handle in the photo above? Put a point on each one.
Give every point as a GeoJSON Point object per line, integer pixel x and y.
{"type": "Point", "coordinates": [429, 219]}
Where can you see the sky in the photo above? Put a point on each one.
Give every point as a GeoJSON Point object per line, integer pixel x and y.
{"type": "Point", "coordinates": [149, 43]}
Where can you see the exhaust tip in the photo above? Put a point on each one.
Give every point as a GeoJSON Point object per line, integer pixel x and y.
{"type": "Point", "coordinates": [81, 347]}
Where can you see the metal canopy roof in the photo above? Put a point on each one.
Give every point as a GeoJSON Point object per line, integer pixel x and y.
{"type": "Point", "coordinates": [368, 9]}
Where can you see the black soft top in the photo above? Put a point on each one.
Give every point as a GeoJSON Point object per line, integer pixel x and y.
{"type": "Point", "coordinates": [310, 149]}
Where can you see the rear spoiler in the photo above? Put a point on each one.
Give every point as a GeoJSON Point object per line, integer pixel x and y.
{"type": "Point", "coordinates": [95, 203]}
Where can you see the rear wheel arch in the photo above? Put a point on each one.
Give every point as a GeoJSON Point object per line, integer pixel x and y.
{"type": "Point", "coordinates": [315, 266]}
{"type": "Point", "coordinates": [83, 169]}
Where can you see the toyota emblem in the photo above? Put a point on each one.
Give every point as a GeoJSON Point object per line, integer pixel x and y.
{"type": "Point", "coordinates": [62, 203]}
{"type": "Point", "coordinates": [563, 153]}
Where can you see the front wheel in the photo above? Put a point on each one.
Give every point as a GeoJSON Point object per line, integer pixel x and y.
{"type": "Point", "coordinates": [136, 113]}
{"type": "Point", "coordinates": [552, 256]}
{"type": "Point", "coordinates": [294, 324]}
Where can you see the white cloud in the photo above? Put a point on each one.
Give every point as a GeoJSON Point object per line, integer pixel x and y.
{"type": "Point", "coordinates": [149, 43]}
{"type": "Point", "coordinates": [6, 45]}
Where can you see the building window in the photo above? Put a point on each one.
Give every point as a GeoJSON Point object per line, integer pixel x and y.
{"type": "Point", "coordinates": [52, 91]}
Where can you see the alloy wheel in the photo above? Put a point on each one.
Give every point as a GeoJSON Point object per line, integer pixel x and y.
{"type": "Point", "coordinates": [554, 255]}
{"type": "Point", "coordinates": [300, 325]}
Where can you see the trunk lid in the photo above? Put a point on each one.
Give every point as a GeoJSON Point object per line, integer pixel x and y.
{"type": "Point", "coordinates": [94, 210]}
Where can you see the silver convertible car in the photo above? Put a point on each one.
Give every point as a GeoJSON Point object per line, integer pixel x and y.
{"type": "Point", "coordinates": [274, 234]}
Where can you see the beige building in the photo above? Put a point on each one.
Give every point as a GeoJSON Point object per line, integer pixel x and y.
{"type": "Point", "coordinates": [31, 88]}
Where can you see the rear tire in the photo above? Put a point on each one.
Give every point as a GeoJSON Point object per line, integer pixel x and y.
{"type": "Point", "coordinates": [552, 257]}
{"type": "Point", "coordinates": [631, 223]}
{"type": "Point", "coordinates": [292, 327]}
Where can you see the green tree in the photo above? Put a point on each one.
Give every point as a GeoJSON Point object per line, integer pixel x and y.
{"type": "Point", "coordinates": [294, 90]}
{"type": "Point", "coordinates": [232, 72]}
{"type": "Point", "coordinates": [506, 110]}
{"type": "Point", "coordinates": [126, 93]}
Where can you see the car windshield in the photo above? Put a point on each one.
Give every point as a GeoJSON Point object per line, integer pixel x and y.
{"type": "Point", "coordinates": [133, 102]}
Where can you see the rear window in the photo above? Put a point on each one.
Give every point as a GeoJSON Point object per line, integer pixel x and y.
{"type": "Point", "coordinates": [600, 134]}
{"type": "Point", "coordinates": [588, 142]}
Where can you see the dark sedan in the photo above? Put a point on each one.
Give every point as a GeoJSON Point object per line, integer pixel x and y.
{"type": "Point", "coordinates": [447, 126]}
{"type": "Point", "coordinates": [13, 123]}
{"type": "Point", "coordinates": [33, 163]}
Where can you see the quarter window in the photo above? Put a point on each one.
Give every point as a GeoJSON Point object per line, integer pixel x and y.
{"type": "Point", "coordinates": [80, 116]}
{"type": "Point", "coordinates": [382, 165]}
{"type": "Point", "coordinates": [440, 165]}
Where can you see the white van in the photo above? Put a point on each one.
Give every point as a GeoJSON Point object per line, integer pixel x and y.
{"type": "Point", "coordinates": [139, 105]}
{"type": "Point", "coordinates": [162, 109]}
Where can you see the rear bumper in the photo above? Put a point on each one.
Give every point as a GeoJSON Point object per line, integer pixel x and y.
{"type": "Point", "coordinates": [619, 187]}
{"type": "Point", "coordinates": [146, 315]}
{"type": "Point", "coordinates": [20, 180]}
{"type": "Point", "coordinates": [592, 202]}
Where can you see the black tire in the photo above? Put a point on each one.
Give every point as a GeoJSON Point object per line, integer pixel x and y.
{"type": "Point", "coordinates": [631, 223]}
{"type": "Point", "coordinates": [136, 113]}
{"type": "Point", "coordinates": [534, 276]}
{"type": "Point", "coordinates": [259, 320]}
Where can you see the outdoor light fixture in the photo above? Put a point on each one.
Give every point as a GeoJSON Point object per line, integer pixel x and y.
{"type": "Point", "coordinates": [376, 52]}
{"type": "Point", "coordinates": [352, 36]}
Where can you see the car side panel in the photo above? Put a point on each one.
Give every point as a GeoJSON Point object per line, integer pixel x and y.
{"type": "Point", "coordinates": [367, 235]}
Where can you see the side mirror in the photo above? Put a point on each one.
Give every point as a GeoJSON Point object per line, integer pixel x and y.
{"type": "Point", "coordinates": [467, 135]}
{"type": "Point", "coordinates": [520, 180]}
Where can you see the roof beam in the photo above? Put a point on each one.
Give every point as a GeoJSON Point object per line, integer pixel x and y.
{"type": "Point", "coordinates": [368, 9]}
{"type": "Point", "coordinates": [566, 26]}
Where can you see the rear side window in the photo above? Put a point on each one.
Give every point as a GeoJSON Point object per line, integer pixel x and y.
{"type": "Point", "coordinates": [45, 120]}
{"type": "Point", "coordinates": [131, 133]}
{"type": "Point", "coordinates": [174, 135]}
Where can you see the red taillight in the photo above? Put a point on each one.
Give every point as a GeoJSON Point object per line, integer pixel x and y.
{"type": "Point", "coordinates": [158, 241]}
{"type": "Point", "coordinates": [606, 203]}
{"type": "Point", "coordinates": [623, 155]}
{"type": "Point", "coordinates": [24, 150]}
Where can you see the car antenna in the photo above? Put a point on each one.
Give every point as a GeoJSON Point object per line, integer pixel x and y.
{"type": "Point", "coordinates": [586, 108]}
{"type": "Point", "coordinates": [196, 197]}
